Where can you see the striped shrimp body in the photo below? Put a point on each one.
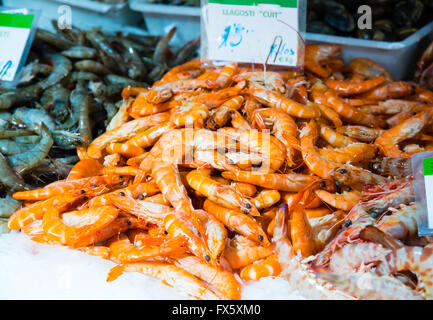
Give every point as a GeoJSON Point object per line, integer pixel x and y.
{"type": "Point", "coordinates": [222, 282]}
{"type": "Point", "coordinates": [283, 127]}
{"type": "Point", "coordinates": [356, 256]}
{"type": "Point", "coordinates": [402, 224]}
{"type": "Point", "coordinates": [170, 275]}
{"type": "Point", "coordinates": [416, 259]}
{"type": "Point", "coordinates": [237, 221]}
{"type": "Point", "coordinates": [71, 226]}
{"type": "Point", "coordinates": [278, 101]}
{"type": "Point", "coordinates": [297, 273]}
{"type": "Point", "coordinates": [268, 267]}
{"type": "Point", "coordinates": [369, 286]}
{"type": "Point", "coordinates": [225, 195]}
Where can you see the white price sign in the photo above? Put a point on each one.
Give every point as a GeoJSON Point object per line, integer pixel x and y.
{"type": "Point", "coordinates": [252, 31]}
{"type": "Point", "coordinates": [15, 34]}
{"type": "Point", "coordinates": [422, 168]}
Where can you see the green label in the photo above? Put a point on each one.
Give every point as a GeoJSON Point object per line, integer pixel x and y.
{"type": "Point", "coordinates": [281, 3]}
{"type": "Point", "coordinates": [428, 166]}
{"type": "Point", "coordinates": [16, 20]}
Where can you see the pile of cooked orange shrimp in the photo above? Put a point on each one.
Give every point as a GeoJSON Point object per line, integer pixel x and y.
{"type": "Point", "coordinates": [219, 175]}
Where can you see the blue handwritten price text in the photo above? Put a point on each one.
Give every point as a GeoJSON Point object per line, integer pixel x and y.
{"type": "Point", "coordinates": [285, 54]}
{"type": "Point", "coordinates": [233, 35]}
{"type": "Point", "coordinates": [4, 70]}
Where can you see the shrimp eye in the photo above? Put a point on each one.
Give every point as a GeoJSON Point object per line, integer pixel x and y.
{"type": "Point", "coordinates": [246, 211]}
{"type": "Point", "coordinates": [343, 171]}
{"type": "Point", "coordinates": [322, 184]}
{"type": "Point", "coordinates": [374, 214]}
{"type": "Point", "coordinates": [338, 183]}
{"type": "Point", "coordinates": [165, 232]}
{"type": "Point", "coordinates": [94, 186]}
{"type": "Point", "coordinates": [85, 198]}
{"type": "Point", "coordinates": [348, 189]}
{"type": "Point", "coordinates": [248, 206]}
{"type": "Point", "coordinates": [207, 258]}
{"type": "Point", "coordinates": [122, 193]}
{"type": "Point", "coordinates": [232, 112]}
{"type": "Point", "coordinates": [212, 121]}
{"type": "Point", "coordinates": [260, 237]}
{"type": "Point", "coordinates": [217, 127]}
{"type": "Point", "coordinates": [348, 223]}
{"type": "Point", "coordinates": [375, 166]}
{"type": "Point", "coordinates": [128, 222]}
{"type": "Point", "coordinates": [141, 197]}
{"type": "Point", "coordinates": [83, 191]}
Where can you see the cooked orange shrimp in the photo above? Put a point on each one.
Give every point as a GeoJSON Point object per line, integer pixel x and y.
{"type": "Point", "coordinates": [141, 107]}
{"type": "Point", "coordinates": [140, 190]}
{"type": "Point", "coordinates": [221, 115]}
{"type": "Point", "coordinates": [369, 68]}
{"type": "Point", "coordinates": [241, 251]}
{"type": "Point", "coordinates": [272, 149]}
{"type": "Point", "coordinates": [69, 228]}
{"type": "Point", "coordinates": [329, 114]}
{"type": "Point", "coordinates": [85, 168]}
{"type": "Point", "coordinates": [237, 221]}
{"type": "Point", "coordinates": [63, 187]}
{"type": "Point", "coordinates": [388, 140]}
{"type": "Point", "coordinates": [170, 275]}
{"type": "Point", "coordinates": [392, 90]}
{"type": "Point", "coordinates": [227, 74]}
{"type": "Point", "coordinates": [247, 189]}
{"type": "Point", "coordinates": [276, 100]}
{"type": "Point", "coordinates": [124, 132]}
{"type": "Point", "coordinates": [114, 228]}
{"type": "Point", "coordinates": [291, 182]}
{"type": "Point", "coordinates": [190, 65]}
{"type": "Point", "coordinates": [270, 80]}
{"type": "Point", "coordinates": [360, 133]}
{"type": "Point", "coordinates": [123, 171]}
{"type": "Point", "coordinates": [349, 87]}
{"type": "Point", "coordinates": [283, 127]}
{"type": "Point", "coordinates": [356, 177]}
{"type": "Point", "coordinates": [266, 199]}
{"type": "Point", "coordinates": [315, 53]}
{"type": "Point", "coordinates": [317, 212]}
{"type": "Point", "coordinates": [151, 135]}
{"type": "Point", "coordinates": [345, 201]}
{"type": "Point", "coordinates": [225, 195]}
{"type": "Point", "coordinates": [268, 267]}
{"type": "Point", "coordinates": [124, 251]}
{"type": "Point", "coordinates": [163, 92]}
{"type": "Point", "coordinates": [250, 106]}
{"type": "Point", "coordinates": [157, 198]}
{"type": "Point", "coordinates": [178, 225]}
{"type": "Point", "coordinates": [335, 139]}
{"type": "Point", "coordinates": [189, 114]}
{"type": "Point", "coordinates": [216, 234]}
{"type": "Point", "coordinates": [222, 282]}
{"type": "Point", "coordinates": [312, 158]}
{"type": "Point", "coordinates": [352, 114]}
{"type": "Point", "coordinates": [353, 153]}
{"type": "Point", "coordinates": [294, 270]}
{"type": "Point", "coordinates": [215, 99]}
{"type": "Point", "coordinates": [124, 149]}
{"type": "Point", "coordinates": [97, 251]}
{"type": "Point", "coordinates": [301, 233]}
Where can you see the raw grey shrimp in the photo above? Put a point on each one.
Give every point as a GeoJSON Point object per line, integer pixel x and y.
{"type": "Point", "coordinates": [25, 161]}
{"type": "Point", "coordinates": [80, 52]}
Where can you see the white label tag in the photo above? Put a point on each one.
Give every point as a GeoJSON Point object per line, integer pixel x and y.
{"type": "Point", "coordinates": [428, 181]}
{"type": "Point", "coordinates": [15, 30]}
{"type": "Point", "coordinates": [252, 34]}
